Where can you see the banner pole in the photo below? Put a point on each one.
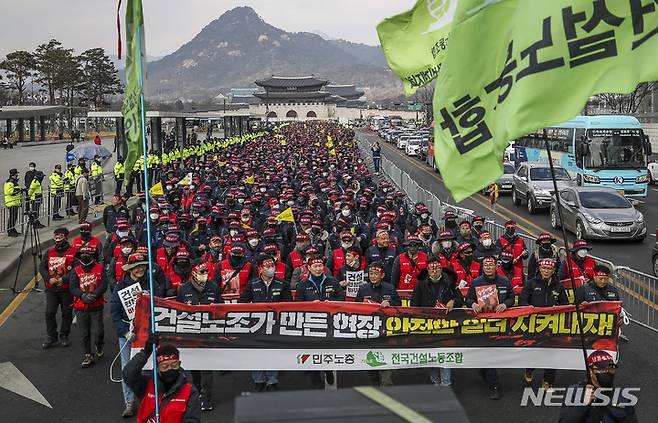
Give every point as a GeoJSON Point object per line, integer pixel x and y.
{"type": "Point", "coordinates": [558, 204]}
{"type": "Point", "coordinates": [148, 221]}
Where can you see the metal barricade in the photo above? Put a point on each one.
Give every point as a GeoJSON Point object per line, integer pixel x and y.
{"type": "Point", "coordinates": [638, 291]}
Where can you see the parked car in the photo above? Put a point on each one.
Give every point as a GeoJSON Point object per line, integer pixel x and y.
{"type": "Point", "coordinates": [413, 146]}
{"type": "Point", "coordinates": [506, 181]}
{"type": "Point", "coordinates": [598, 212]}
{"type": "Point", "coordinates": [653, 172]}
{"type": "Point", "coordinates": [534, 186]}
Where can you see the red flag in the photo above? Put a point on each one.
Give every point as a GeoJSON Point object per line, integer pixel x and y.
{"type": "Point", "coordinates": [119, 28]}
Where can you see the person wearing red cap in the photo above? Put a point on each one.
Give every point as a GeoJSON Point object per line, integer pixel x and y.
{"type": "Point", "coordinates": [88, 284]}
{"type": "Point", "coordinates": [165, 254]}
{"type": "Point", "coordinates": [382, 251]}
{"type": "Point", "coordinates": [505, 301]}
{"type": "Point", "coordinates": [179, 399]}
{"type": "Point", "coordinates": [112, 213]}
{"type": "Point", "coordinates": [445, 248]}
{"type": "Point", "coordinates": [509, 271]}
{"type": "Point", "coordinates": [477, 226]}
{"type": "Point", "coordinates": [408, 264]}
{"type": "Point", "coordinates": [213, 256]}
{"type": "Point", "coordinates": [437, 287]}
{"type": "Point", "coordinates": [466, 234]}
{"type": "Point", "coordinates": [513, 243]}
{"type": "Point", "coordinates": [200, 237]}
{"type": "Point", "coordinates": [354, 262]}
{"type": "Point", "coordinates": [253, 247]}
{"type": "Point", "coordinates": [422, 216]}
{"type": "Point", "coordinates": [179, 272]}
{"type": "Point", "coordinates": [199, 289]}
{"type": "Point", "coordinates": [54, 269]}
{"type": "Point", "coordinates": [581, 263]}
{"type": "Point", "coordinates": [545, 249]}
{"type": "Point", "coordinates": [115, 267]}
{"type": "Point", "coordinates": [424, 233]}
{"type": "Point", "coordinates": [85, 238]}
{"type": "Point", "coordinates": [486, 248]}
{"type": "Point", "coordinates": [266, 288]}
{"type": "Point", "coordinates": [111, 247]}
{"type": "Point", "coordinates": [602, 369]}
{"type": "Point", "coordinates": [235, 271]}
{"type": "Point", "coordinates": [543, 291]}
{"type": "Point", "coordinates": [336, 258]}
{"type": "Point", "coordinates": [599, 288]}
{"type": "Point", "coordinates": [466, 268]}
{"type": "Point", "coordinates": [295, 259]}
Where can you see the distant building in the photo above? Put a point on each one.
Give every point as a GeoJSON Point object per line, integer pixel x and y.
{"type": "Point", "coordinates": [244, 96]}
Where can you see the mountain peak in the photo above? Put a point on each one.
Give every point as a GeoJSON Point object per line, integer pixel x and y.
{"type": "Point", "coordinates": [241, 13]}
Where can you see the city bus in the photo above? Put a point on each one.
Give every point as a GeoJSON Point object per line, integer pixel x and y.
{"type": "Point", "coordinates": [605, 150]}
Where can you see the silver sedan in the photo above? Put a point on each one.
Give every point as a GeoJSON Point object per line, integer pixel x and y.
{"type": "Point", "coordinates": [598, 213]}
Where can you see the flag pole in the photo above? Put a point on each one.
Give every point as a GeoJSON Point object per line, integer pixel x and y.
{"type": "Point", "coordinates": [148, 221]}
{"type": "Point", "coordinates": [558, 204]}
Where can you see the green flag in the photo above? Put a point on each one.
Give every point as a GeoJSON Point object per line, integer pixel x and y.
{"type": "Point", "coordinates": [415, 42]}
{"type": "Point", "coordinates": [515, 66]}
{"type": "Point", "coordinates": [132, 106]}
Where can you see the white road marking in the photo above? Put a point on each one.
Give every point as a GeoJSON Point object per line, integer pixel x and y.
{"type": "Point", "coordinates": [654, 189]}
{"type": "Point", "coordinates": [13, 380]}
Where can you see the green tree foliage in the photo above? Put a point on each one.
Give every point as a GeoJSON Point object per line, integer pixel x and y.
{"type": "Point", "coordinates": [18, 66]}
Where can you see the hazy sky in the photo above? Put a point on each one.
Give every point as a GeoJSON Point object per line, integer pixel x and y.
{"type": "Point", "coordinates": [82, 24]}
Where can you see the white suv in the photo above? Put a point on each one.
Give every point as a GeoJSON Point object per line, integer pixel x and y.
{"type": "Point", "coordinates": [413, 146]}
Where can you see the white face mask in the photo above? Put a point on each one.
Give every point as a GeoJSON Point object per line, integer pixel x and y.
{"type": "Point", "coordinates": [290, 203]}
{"type": "Point", "coordinates": [446, 244]}
{"type": "Point", "coordinates": [126, 250]}
{"type": "Point", "coordinates": [195, 215]}
{"type": "Point", "coordinates": [253, 242]}
{"type": "Point", "coordinates": [245, 218]}
{"type": "Point", "coordinates": [202, 278]}
{"type": "Point", "coordinates": [424, 215]}
{"type": "Point", "coordinates": [169, 187]}
{"type": "Point", "coordinates": [233, 232]}
{"type": "Point", "coordinates": [268, 272]}
{"type": "Point", "coordinates": [263, 189]}
{"type": "Point", "coordinates": [122, 234]}
{"type": "Point", "coordinates": [154, 216]}
{"type": "Point", "coordinates": [487, 242]}
{"type": "Point", "coordinates": [581, 253]}
{"type": "Point", "coordinates": [345, 213]}
{"type": "Point", "coordinates": [240, 200]}
{"type": "Point", "coordinates": [345, 245]}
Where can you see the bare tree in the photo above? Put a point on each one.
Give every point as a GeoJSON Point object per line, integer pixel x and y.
{"type": "Point", "coordinates": [628, 104]}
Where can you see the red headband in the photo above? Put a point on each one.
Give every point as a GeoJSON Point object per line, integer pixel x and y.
{"type": "Point", "coordinates": [267, 263]}
{"type": "Point", "coordinates": [548, 262]}
{"type": "Point", "coordinates": [162, 358]}
{"type": "Point", "coordinates": [601, 274]}
{"type": "Point", "coordinates": [434, 265]}
{"type": "Point", "coordinates": [316, 260]}
{"type": "Point", "coordinates": [489, 260]}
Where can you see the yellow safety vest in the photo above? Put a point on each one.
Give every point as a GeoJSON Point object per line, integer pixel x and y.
{"type": "Point", "coordinates": [70, 180]}
{"type": "Point", "coordinates": [118, 170]}
{"type": "Point", "coordinates": [35, 190]}
{"type": "Point", "coordinates": [12, 194]}
{"type": "Point", "coordinates": [96, 170]}
{"type": "Point", "coordinates": [56, 183]}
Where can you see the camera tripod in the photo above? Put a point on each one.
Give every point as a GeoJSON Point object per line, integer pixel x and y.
{"type": "Point", "coordinates": [31, 232]}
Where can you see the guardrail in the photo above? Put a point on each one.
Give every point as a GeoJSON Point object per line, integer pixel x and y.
{"type": "Point", "coordinates": [638, 290]}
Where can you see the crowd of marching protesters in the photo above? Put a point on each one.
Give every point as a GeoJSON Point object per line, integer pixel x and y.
{"type": "Point", "coordinates": [283, 215]}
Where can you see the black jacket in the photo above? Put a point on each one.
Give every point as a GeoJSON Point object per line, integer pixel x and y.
{"type": "Point", "coordinates": [119, 317]}
{"type": "Point", "coordinates": [257, 292]}
{"type": "Point", "coordinates": [188, 294]}
{"type": "Point", "coordinates": [138, 381]}
{"type": "Point", "coordinates": [590, 414]}
{"type": "Point", "coordinates": [378, 293]}
{"type": "Point", "coordinates": [110, 216]}
{"type": "Point", "coordinates": [505, 290]}
{"type": "Point", "coordinates": [539, 293]}
{"type": "Point", "coordinates": [590, 292]}
{"type": "Point", "coordinates": [426, 293]}
{"type": "Point", "coordinates": [386, 256]}
{"type": "Point", "coordinates": [330, 290]}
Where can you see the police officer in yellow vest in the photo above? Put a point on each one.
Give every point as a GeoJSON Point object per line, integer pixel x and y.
{"type": "Point", "coordinates": [119, 174]}
{"type": "Point", "coordinates": [97, 179]}
{"type": "Point", "coordinates": [12, 201]}
{"type": "Point", "coordinates": [78, 169]}
{"type": "Point", "coordinates": [57, 190]}
{"type": "Point", "coordinates": [35, 194]}
{"type": "Point", "coordinates": [69, 188]}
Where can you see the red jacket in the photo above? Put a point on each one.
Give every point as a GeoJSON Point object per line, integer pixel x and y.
{"type": "Point", "coordinates": [296, 259]}
{"type": "Point", "coordinates": [517, 249]}
{"type": "Point", "coordinates": [587, 271]}
{"type": "Point", "coordinates": [172, 412]}
{"type": "Point", "coordinates": [235, 284]}
{"type": "Point", "coordinates": [463, 274]}
{"type": "Point", "coordinates": [339, 260]}
{"type": "Point", "coordinates": [163, 260]}
{"type": "Point", "coordinates": [59, 266]}
{"type": "Point", "coordinates": [409, 271]}
{"type": "Point", "coordinates": [79, 242]}
{"type": "Point", "coordinates": [517, 276]}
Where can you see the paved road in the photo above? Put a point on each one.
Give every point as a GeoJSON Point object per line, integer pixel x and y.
{"type": "Point", "coordinates": [87, 395]}
{"type": "Point", "coordinates": [635, 255]}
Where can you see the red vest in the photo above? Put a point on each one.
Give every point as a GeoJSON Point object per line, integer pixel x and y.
{"type": "Point", "coordinates": [445, 261]}
{"type": "Point", "coordinates": [339, 260]}
{"type": "Point", "coordinates": [516, 249]}
{"type": "Point", "coordinates": [118, 269]}
{"type": "Point", "coordinates": [212, 265]}
{"type": "Point", "coordinates": [88, 284]}
{"type": "Point", "coordinates": [236, 284]}
{"type": "Point", "coordinates": [517, 276]}
{"type": "Point", "coordinates": [187, 201]}
{"type": "Point", "coordinates": [59, 266]}
{"type": "Point", "coordinates": [117, 251]}
{"type": "Point", "coordinates": [409, 272]}
{"type": "Point", "coordinates": [176, 280]}
{"type": "Point", "coordinates": [462, 274]}
{"type": "Point", "coordinates": [172, 412]}
{"type": "Point", "coordinates": [587, 272]}
{"type": "Point", "coordinates": [78, 242]}
{"type": "Point", "coordinates": [163, 260]}
{"type": "Point", "coordinates": [296, 259]}
{"type": "Point", "coordinates": [280, 270]}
